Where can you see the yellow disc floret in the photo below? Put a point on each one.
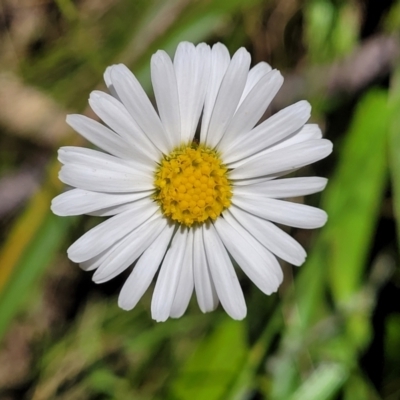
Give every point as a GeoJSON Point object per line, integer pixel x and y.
{"type": "Point", "coordinates": [192, 185]}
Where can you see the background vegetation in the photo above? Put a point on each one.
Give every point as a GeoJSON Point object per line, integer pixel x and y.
{"type": "Point", "coordinates": [332, 331]}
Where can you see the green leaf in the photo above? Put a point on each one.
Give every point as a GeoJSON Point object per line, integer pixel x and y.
{"type": "Point", "coordinates": [394, 146]}
{"type": "Point", "coordinates": [354, 195]}
{"type": "Point", "coordinates": [352, 201]}
{"type": "Point", "coordinates": [211, 370]}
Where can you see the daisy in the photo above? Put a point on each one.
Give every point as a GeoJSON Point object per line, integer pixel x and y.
{"type": "Point", "coordinates": [192, 186]}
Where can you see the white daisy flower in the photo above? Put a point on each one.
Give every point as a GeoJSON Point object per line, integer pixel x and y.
{"type": "Point", "coordinates": [189, 203]}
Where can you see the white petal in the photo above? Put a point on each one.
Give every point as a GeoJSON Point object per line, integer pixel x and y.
{"type": "Point", "coordinates": [205, 290]}
{"type": "Point", "coordinates": [168, 278]}
{"type": "Point", "coordinates": [186, 284]}
{"type": "Point", "coordinates": [306, 133]}
{"type": "Point", "coordinates": [254, 76]}
{"type": "Point", "coordinates": [121, 245]}
{"type": "Point", "coordinates": [115, 115]}
{"type": "Point", "coordinates": [254, 181]}
{"type": "Point", "coordinates": [251, 110]}
{"type": "Point", "coordinates": [95, 171]}
{"type": "Point", "coordinates": [270, 236]}
{"type": "Point", "coordinates": [113, 210]}
{"type": "Point", "coordinates": [286, 159]}
{"type": "Point", "coordinates": [166, 93]}
{"type": "Point", "coordinates": [129, 249]}
{"type": "Point", "coordinates": [109, 232]}
{"type": "Point", "coordinates": [228, 97]}
{"type": "Point", "coordinates": [143, 273]}
{"type": "Point", "coordinates": [94, 262]}
{"type": "Point", "coordinates": [109, 84]}
{"type": "Point", "coordinates": [139, 106]}
{"type": "Point", "coordinates": [77, 201]}
{"type": "Point", "coordinates": [262, 179]}
{"type": "Point", "coordinates": [103, 180]}
{"type": "Point", "coordinates": [283, 188]}
{"type": "Point", "coordinates": [274, 129]}
{"type": "Point", "coordinates": [96, 159]}
{"type": "Point", "coordinates": [191, 68]}
{"type": "Point", "coordinates": [283, 212]}
{"type": "Point", "coordinates": [99, 135]}
{"type": "Point", "coordinates": [220, 60]}
{"type": "Point", "coordinates": [223, 274]}
{"type": "Point", "coordinates": [254, 259]}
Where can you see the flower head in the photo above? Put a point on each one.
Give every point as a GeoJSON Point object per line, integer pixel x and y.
{"type": "Point", "coordinates": [188, 202]}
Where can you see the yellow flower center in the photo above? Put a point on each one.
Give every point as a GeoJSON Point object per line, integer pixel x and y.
{"type": "Point", "coordinates": [192, 185]}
